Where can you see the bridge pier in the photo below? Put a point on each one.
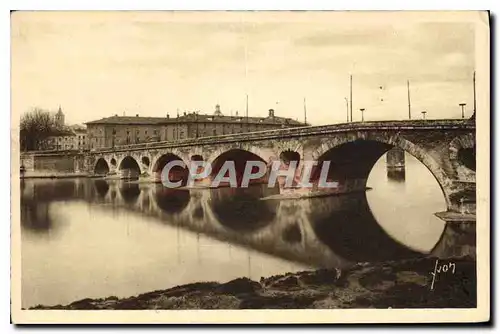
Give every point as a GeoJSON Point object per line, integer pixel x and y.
{"type": "Point", "coordinates": [395, 164]}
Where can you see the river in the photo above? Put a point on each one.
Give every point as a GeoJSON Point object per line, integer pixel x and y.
{"type": "Point", "coordinates": [93, 238]}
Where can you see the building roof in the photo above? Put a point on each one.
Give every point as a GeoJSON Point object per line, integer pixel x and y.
{"type": "Point", "coordinates": [193, 117]}
{"type": "Point", "coordinates": [237, 119]}
{"type": "Point", "coordinates": [132, 120]}
{"type": "Point", "coordinates": [77, 128]}
{"type": "Point", "coordinates": [62, 132]}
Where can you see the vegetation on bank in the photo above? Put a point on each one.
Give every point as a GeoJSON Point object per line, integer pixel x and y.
{"type": "Point", "coordinates": [35, 126]}
{"type": "Point", "coordinates": [403, 284]}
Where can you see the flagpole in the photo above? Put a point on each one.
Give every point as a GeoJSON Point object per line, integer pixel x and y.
{"type": "Point", "coordinates": [350, 94]}
{"type": "Point", "coordinates": [246, 110]}
{"type": "Point", "coordinates": [305, 112]}
{"type": "Point", "coordinates": [474, 86]}
{"type": "Point", "coordinates": [409, 103]}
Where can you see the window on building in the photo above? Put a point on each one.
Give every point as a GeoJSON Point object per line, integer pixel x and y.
{"type": "Point", "coordinates": [215, 132]}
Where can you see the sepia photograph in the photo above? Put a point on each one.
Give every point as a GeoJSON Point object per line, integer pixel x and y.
{"type": "Point", "coordinates": [269, 166]}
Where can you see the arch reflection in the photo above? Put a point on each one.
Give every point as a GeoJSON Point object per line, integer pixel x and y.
{"type": "Point", "coordinates": [292, 234]}
{"type": "Point", "coordinates": [130, 192]}
{"type": "Point", "coordinates": [101, 187]}
{"type": "Point", "coordinates": [347, 226]}
{"type": "Point", "coordinates": [171, 201]}
{"type": "Point", "coordinates": [240, 208]}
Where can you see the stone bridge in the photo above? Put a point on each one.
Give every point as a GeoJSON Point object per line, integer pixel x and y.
{"type": "Point", "coordinates": [445, 147]}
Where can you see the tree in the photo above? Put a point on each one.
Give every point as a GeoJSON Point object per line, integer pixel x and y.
{"type": "Point", "coordinates": [36, 126]}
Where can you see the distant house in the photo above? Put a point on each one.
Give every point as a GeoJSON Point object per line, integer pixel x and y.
{"type": "Point", "coordinates": [124, 130]}
{"type": "Point", "coordinates": [61, 140]}
{"type": "Point", "coordinates": [80, 138]}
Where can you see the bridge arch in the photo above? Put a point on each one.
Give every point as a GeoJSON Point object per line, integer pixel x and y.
{"type": "Point", "coordinates": [462, 151]}
{"type": "Point", "coordinates": [129, 168]}
{"type": "Point", "coordinates": [353, 157]}
{"type": "Point", "coordinates": [176, 173]}
{"type": "Point", "coordinates": [288, 156]}
{"type": "Point", "coordinates": [101, 167]}
{"type": "Point", "coordinates": [240, 157]}
{"type": "Point", "coordinates": [264, 154]}
{"type": "Point", "coordinates": [196, 157]}
{"type": "Point", "coordinates": [145, 161]}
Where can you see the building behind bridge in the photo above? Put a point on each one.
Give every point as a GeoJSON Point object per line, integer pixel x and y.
{"type": "Point", "coordinates": [64, 137]}
{"type": "Point", "coordinates": [125, 130]}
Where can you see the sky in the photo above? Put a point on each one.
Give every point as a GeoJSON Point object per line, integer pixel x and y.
{"type": "Point", "coordinates": [98, 64]}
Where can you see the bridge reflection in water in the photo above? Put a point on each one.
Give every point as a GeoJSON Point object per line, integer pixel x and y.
{"type": "Point", "coordinates": [320, 232]}
{"type": "Point", "coordinates": [130, 238]}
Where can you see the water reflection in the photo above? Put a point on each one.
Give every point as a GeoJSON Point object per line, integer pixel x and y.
{"type": "Point", "coordinates": [171, 201]}
{"type": "Point", "coordinates": [398, 175]}
{"type": "Point", "coordinates": [292, 234]}
{"type": "Point", "coordinates": [130, 192]}
{"type": "Point", "coordinates": [241, 210]}
{"type": "Point", "coordinates": [319, 231]}
{"type": "Point", "coordinates": [36, 217]}
{"type": "Point", "coordinates": [101, 187]}
{"type": "Point", "coordinates": [347, 226]}
{"type": "Point", "coordinates": [180, 236]}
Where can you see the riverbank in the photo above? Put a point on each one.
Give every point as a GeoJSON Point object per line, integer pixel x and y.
{"type": "Point", "coordinates": [402, 284]}
{"type": "Point", "coordinates": [53, 175]}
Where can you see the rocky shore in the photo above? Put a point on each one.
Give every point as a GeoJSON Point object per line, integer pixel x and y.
{"type": "Point", "coordinates": [403, 284]}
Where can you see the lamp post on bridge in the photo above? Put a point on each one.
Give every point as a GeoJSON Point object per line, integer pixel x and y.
{"type": "Point", "coordinates": [362, 114]}
{"type": "Point", "coordinates": [347, 108]}
{"type": "Point", "coordinates": [462, 105]}
{"type": "Point", "coordinates": [423, 114]}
